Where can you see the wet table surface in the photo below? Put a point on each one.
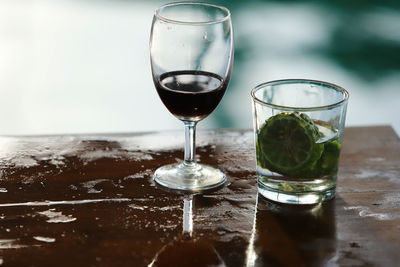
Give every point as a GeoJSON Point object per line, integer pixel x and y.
{"type": "Point", "coordinates": [90, 200]}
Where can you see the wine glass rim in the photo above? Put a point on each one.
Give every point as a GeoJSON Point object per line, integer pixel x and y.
{"type": "Point", "coordinates": [294, 81]}
{"type": "Point", "coordinates": [224, 9]}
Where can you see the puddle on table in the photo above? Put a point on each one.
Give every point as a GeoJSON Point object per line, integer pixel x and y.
{"type": "Point", "coordinates": [73, 191]}
{"type": "Point", "coordinates": [95, 197]}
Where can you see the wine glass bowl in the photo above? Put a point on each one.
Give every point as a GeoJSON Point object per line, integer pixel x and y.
{"type": "Point", "coordinates": [191, 52]}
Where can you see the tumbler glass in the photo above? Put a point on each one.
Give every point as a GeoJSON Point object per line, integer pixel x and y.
{"type": "Point", "coordinates": [298, 126]}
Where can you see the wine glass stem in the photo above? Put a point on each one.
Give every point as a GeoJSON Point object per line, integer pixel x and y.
{"type": "Point", "coordinates": [190, 145]}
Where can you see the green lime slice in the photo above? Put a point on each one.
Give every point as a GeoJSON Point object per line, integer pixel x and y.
{"type": "Point", "coordinates": [329, 161]}
{"type": "Point", "coordinates": [327, 164]}
{"type": "Point", "coordinates": [287, 144]}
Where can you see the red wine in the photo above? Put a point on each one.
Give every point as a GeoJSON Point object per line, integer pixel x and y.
{"type": "Point", "coordinates": [190, 95]}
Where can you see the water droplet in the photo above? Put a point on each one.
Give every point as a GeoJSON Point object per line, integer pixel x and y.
{"type": "Point", "coordinates": [57, 217]}
{"type": "Point", "coordinates": [44, 239]}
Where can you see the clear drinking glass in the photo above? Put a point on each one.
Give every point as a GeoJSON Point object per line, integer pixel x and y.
{"type": "Point", "coordinates": [298, 127]}
{"type": "Point", "coordinates": [191, 50]}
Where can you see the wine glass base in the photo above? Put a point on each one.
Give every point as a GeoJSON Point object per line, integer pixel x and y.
{"type": "Point", "coordinates": [198, 177]}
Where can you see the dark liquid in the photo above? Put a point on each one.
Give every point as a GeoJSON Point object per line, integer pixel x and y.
{"type": "Point", "coordinates": [190, 95]}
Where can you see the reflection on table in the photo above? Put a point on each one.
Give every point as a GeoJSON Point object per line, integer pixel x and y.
{"type": "Point", "coordinates": [91, 201]}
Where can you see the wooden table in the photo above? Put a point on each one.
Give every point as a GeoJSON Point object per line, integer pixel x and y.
{"type": "Point", "coordinates": [90, 201]}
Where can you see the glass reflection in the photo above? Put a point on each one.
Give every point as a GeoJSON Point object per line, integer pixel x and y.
{"type": "Point", "coordinates": [187, 249]}
{"type": "Point", "coordinates": [287, 235]}
{"type": "Point", "coordinates": [187, 224]}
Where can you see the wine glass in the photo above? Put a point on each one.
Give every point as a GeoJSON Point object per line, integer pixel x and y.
{"type": "Point", "coordinates": [191, 51]}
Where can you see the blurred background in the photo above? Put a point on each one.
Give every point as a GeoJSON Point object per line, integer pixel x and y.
{"type": "Point", "coordinates": [82, 66]}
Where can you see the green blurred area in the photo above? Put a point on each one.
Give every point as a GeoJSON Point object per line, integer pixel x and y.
{"type": "Point", "coordinates": [63, 59]}
{"type": "Point", "coordinates": [363, 40]}
{"type": "Point", "coordinates": [352, 45]}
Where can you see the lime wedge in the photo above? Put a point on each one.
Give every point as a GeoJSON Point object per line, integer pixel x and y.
{"type": "Point", "coordinates": [329, 161]}
{"type": "Point", "coordinates": [287, 144]}
{"type": "Point", "coordinates": [327, 164]}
